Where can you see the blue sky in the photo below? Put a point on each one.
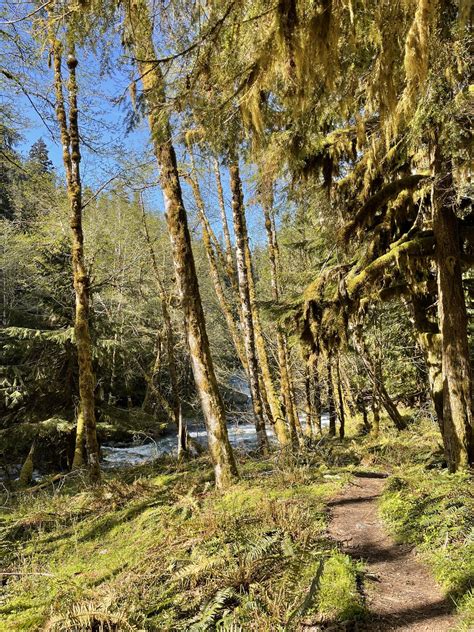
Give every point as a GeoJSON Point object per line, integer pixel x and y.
{"type": "Point", "coordinates": [108, 149]}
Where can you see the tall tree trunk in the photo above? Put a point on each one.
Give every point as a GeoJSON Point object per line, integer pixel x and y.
{"type": "Point", "coordinates": [342, 418]}
{"type": "Point", "coordinates": [230, 268]}
{"type": "Point", "coordinates": [224, 304]}
{"type": "Point", "coordinates": [331, 406]}
{"type": "Point", "coordinates": [170, 344]}
{"type": "Point", "coordinates": [243, 274]}
{"type": "Point", "coordinates": [140, 41]}
{"type": "Point", "coordinates": [317, 405]}
{"type": "Point", "coordinates": [309, 429]}
{"type": "Point", "coordinates": [294, 418]}
{"type": "Point", "coordinates": [71, 159]}
{"type": "Point", "coordinates": [452, 315]}
{"type": "Point", "coordinates": [285, 384]}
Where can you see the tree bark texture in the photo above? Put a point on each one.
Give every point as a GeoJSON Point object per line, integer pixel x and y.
{"type": "Point", "coordinates": [71, 159]}
{"type": "Point", "coordinates": [243, 273]}
{"type": "Point", "coordinates": [452, 316]}
{"type": "Point", "coordinates": [139, 35]}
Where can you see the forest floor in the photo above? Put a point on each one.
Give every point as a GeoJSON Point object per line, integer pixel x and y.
{"type": "Point", "coordinates": [300, 543]}
{"type": "Point", "coordinates": [400, 593]}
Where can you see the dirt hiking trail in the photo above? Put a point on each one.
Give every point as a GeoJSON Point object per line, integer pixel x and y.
{"type": "Point", "coordinates": [400, 593]}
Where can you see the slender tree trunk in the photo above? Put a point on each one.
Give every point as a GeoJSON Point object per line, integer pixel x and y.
{"type": "Point", "coordinates": [71, 158]}
{"type": "Point", "coordinates": [456, 368]}
{"type": "Point", "coordinates": [349, 396]}
{"type": "Point", "coordinates": [140, 41]}
{"type": "Point", "coordinates": [230, 268]}
{"type": "Point", "coordinates": [331, 406]}
{"type": "Point", "coordinates": [268, 386]}
{"type": "Point", "coordinates": [289, 396]}
{"type": "Point", "coordinates": [317, 396]}
{"type": "Point", "coordinates": [309, 430]}
{"type": "Point", "coordinates": [267, 205]}
{"type": "Point", "coordinates": [429, 340]}
{"type": "Point", "coordinates": [342, 418]}
{"type": "Point", "coordinates": [243, 274]}
{"type": "Point", "coordinates": [376, 413]}
{"type": "Point", "coordinates": [214, 270]}
{"type": "Point", "coordinates": [147, 404]}
{"type": "Point", "coordinates": [170, 344]}
{"type": "Point", "coordinates": [374, 371]}
{"type": "Point", "coordinates": [26, 473]}
{"type": "Point", "coordinates": [78, 459]}
{"type": "Point", "coordinates": [365, 417]}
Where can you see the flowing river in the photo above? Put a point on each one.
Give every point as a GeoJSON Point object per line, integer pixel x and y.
{"type": "Point", "coordinates": [242, 436]}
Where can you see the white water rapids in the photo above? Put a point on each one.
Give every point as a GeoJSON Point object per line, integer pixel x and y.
{"type": "Point", "coordinates": [242, 436]}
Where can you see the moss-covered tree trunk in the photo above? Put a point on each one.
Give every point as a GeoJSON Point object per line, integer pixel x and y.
{"type": "Point", "coordinates": [309, 429]}
{"type": "Point", "coordinates": [330, 397]}
{"type": "Point", "coordinates": [230, 267]}
{"type": "Point", "coordinates": [452, 315]}
{"type": "Point", "coordinates": [429, 340]}
{"type": "Point", "coordinates": [375, 427]}
{"type": "Point", "coordinates": [79, 447]}
{"type": "Point", "coordinates": [285, 385]}
{"type": "Point", "coordinates": [26, 473]}
{"type": "Point", "coordinates": [374, 372]}
{"type": "Point", "coordinates": [317, 404]}
{"type": "Point", "coordinates": [224, 304]}
{"type": "Point", "coordinates": [150, 377]}
{"type": "Point", "coordinates": [139, 39]}
{"type": "Point", "coordinates": [243, 273]}
{"type": "Point", "coordinates": [170, 347]}
{"type": "Point", "coordinates": [342, 417]}
{"type": "Point", "coordinates": [71, 158]}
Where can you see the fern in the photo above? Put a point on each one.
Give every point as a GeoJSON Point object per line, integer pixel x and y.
{"type": "Point", "coordinates": [213, 611]}
{"type": "Point", "coordinates": [86, 616]}
{"type": "Point", "coordinates": [199, 568]}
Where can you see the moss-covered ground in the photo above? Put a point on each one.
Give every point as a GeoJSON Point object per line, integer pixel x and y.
{"type": "Point", "coordinates": [157, 548]}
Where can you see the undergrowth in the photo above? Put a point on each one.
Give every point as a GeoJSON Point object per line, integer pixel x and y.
{"type": "Point", "coordinates": [157, 548]}
{"type": "Point", "coordinates": [434, 510]}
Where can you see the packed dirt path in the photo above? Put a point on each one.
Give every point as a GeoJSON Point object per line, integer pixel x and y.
{"type": "Point", "coordinates": [400, 593]}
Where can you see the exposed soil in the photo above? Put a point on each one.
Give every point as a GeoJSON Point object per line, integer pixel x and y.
{"type": "Point", "coordinates": [400, 593]}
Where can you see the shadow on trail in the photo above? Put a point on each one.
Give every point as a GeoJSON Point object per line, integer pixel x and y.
{"type": "Point", "coordinates": [400, 619]}
{"type": "Point", "coordinates": [352, 501]}
{"type": "Point", "coordinates": [402, 595]}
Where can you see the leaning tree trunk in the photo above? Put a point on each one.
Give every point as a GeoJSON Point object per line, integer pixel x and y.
{"type": "Point", "coordinates": [374, 371]}
{"type": "Point", "coordinates": [71, 158]}
{"type": "Point", "coordinates": [224, 304]}
{"type": "Point", "coordinates": [452, 315]}
{"type": "Point", "coordinates": [139, 37]}
{"type": "Point", "coordinates": [243, 273]}
{"type": "Point", "coordinates": [170, 346]}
